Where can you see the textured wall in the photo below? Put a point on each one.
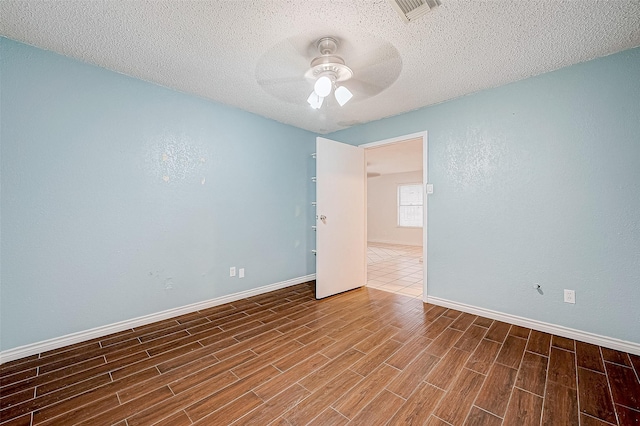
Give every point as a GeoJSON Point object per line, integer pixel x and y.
{"type": "Point", "coordinates": [382, 210]}
{"type": "Point", "coordinates": [537, 182]}
{"type": "Point", "coordinates": [121, 198]}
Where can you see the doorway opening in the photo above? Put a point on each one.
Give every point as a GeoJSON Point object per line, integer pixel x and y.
{"type": "Point", "coordinates": [396, 215]}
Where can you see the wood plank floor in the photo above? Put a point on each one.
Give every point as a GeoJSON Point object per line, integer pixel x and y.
{"type": "Point", "coordinates": [365, 357]}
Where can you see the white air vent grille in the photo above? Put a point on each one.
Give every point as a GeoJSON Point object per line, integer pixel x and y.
{"type": "Point", "coordinates": [410, 10]}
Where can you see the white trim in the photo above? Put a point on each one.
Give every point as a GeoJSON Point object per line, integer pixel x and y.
{"type": "Point", "coordinates": [571, 333]}
{"type": "Point", "coordinates": [397, 139]}
{"type": "Point", "coordinates": [425, 209]}
{"type": "Point", "coordinates": [425, 180]}
{"type": "Point", "coordinates": [81, 336]}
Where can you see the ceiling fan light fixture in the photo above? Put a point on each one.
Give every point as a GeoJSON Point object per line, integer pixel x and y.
{"type": "Point", "coordinates": [343, 95]}
{"type": "Point", "coordinates": [328, 69]}
{"type": "Point", "coordinates": [323, 86]}
{"type": "Point", "coordinates": [314, 100]}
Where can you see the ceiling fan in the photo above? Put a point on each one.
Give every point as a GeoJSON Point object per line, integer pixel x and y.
{"type": "Point", "coordinates": [352, 68]}
{"type": "Point", "coordinates": [328, 69]}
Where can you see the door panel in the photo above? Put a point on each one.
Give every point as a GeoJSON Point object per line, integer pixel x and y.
{"type": "Point", "coordinates": [340, 217]}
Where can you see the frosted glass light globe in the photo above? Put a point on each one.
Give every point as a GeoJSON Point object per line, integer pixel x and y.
{"type": "Point", "coordinates": [322, 86]}
{"type": "Point", "coordinates": [314, 100]}
{"type": "Point", "coordinates": [343, 95]}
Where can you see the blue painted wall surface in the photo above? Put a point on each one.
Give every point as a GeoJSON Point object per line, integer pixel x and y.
{"type": "Point", "coordinates": [121, 198]}
{"type": "Point", "coordinates": [537, 182]}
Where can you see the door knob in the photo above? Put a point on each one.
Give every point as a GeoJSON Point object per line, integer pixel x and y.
{"type": "Point", "coordinates": [323, 218]}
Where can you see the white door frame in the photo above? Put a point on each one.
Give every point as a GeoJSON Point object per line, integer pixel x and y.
{"type": "Point", "coordinates": [425, 180]}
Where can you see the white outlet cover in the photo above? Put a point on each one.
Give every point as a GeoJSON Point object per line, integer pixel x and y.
{"type": "Point", "coordinates": [241, 273]}
{"type": "Point", "coordinates": [232, 271]}
{"type": "Point", "coordinates": [569, 296]}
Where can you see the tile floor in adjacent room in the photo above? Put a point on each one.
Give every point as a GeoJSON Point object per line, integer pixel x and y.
{"type": "Point", "coordinates": [395, 268]}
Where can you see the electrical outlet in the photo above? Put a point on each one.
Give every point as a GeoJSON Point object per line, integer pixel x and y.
{"type": "Point", "coordinates": [232, 271]}
{"type": "Point", "coordinates": [241, 273]}
{"type": "Point", "coordinates": [569, 296]}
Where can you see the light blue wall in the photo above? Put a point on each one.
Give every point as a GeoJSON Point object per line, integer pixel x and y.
{"type": "Point", "coordinates": [92, 234]}
{"type": "Point", "coordinates": [537, 182]}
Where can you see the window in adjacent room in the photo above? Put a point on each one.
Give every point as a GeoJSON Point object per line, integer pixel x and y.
{"type": "Point", "coordinates": [410, 205]}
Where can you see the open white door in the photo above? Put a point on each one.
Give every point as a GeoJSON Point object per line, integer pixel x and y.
{"type": "Point", "coordinates": [340, 217]}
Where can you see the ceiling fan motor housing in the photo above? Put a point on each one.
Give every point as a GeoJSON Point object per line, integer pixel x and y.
{"type": "Point", "coordinates": [328, 63]}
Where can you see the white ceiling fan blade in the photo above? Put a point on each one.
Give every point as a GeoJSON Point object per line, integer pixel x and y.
{"type": "Point", "coordinates": [374, 57]}
{"type": "Point", "coordinates": [363, 88]}
{"type": "Point", "coordinates": [302, 46]}
{"type": "Point", "coordinates": [284, 60]}
{"type": "Point", "coordinates": [280, 71]}
{"type": "Point", "coordinates": [374, 70]}
{"type": "Point", "coordinates": [282, 80]}
{"type": "Point", "coordinates": [289, 90]}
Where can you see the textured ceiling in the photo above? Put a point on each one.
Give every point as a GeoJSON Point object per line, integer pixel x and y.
{"type": "Point", "coordinates": [220, 49]}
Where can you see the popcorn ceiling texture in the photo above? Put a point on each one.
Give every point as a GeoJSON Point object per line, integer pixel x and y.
{"type": "Point", "coordinates": [212, 49]}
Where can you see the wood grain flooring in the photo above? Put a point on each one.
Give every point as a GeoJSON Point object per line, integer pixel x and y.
{"type": "Point", "coordinates": [365, 357]}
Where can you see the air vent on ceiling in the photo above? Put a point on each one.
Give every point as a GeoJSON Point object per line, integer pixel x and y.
{"type": "Point", "coordinates": [410, 10]}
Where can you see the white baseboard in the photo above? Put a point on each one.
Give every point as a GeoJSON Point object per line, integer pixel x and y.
{"type": "Point", "coordinates": [570, 333]}
{"type": "Point", "coordinates": [70, 339]}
